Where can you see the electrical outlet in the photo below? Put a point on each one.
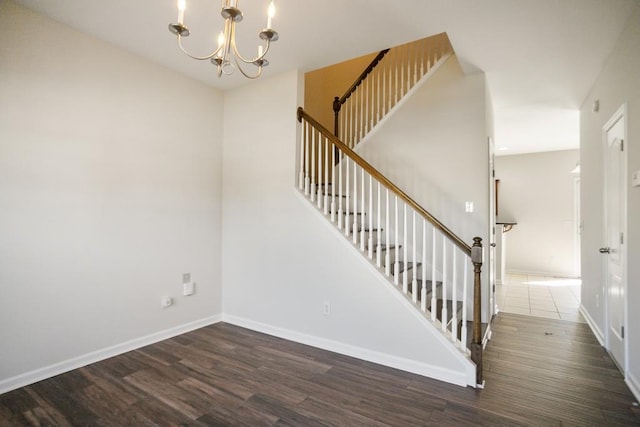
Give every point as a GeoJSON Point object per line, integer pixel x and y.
{"type": "Point", "coordinates": [326, 309]}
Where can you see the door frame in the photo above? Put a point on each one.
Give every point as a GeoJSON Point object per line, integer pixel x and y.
{"type": "Point", "coordinates": [492, 231]}
{"type": "Point", "coordinates": [620, 113]}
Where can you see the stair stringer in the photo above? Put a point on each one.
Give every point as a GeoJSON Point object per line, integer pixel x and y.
{"type": "Point", "coordinates": [431, 328]}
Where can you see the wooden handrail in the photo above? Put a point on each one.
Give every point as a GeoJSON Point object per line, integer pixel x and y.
{"type": "Point", "coordinates": [464, 247]}
{"type": "Point", "coordinates": [363, 75]}
{"type": "Point", "coordinates": [338, 101]}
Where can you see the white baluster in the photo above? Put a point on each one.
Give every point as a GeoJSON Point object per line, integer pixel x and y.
{"type": "Point", "coordinates": [402, 63]}
{"type": "Point", "coordinates": [444, 284]}
{"type": "Point", "coordinates": [378, 225]}
{"type": "Point", "coordinates": [348, 191]}
{"type": "Point", "coordinates": [363, 216]}
{"type": "Point", "coordinates": [409, 79]}
{"type": "Point", "coordinates": [405, 241]}
{"type": "Point", "coordinates": [365, 103]}
{"type": "Point", "coordinates": [307, 155]}
{"type": "Point", "coordinates": [301, 165]}
{"type": "Point", "coordinates": [313, 166]}
{"type": "Point", "coordinates": [334, 164]}
{"type": "Point", "coordinates": [416, 54]}
{"type": "Point", "coordinates": [397, 79]}
{"type": "Point", "coordinates": [358, 113]}
{"type": "Point", "coordinates": [396, 268]}
{"type": "Point", "coordinates": [414, 284]}
{"type": "Point", "coordinates": [454, 302]}
{"type": "Point", "coordinates": [355, 203]}
{"type": "Point", "coordinates": [339, 166]}
{"type": "Point", "coordinates": [434, 302]}
{"type": "Point", "coordinates": [387, 241]}
{"type": "Point", "coordinates": [320, 170]}
{"type": "Point", "coordinates": [371, 213]}
{"type": "Point", "coordinates": [465, 282]}
{"type": "Point", "coordinates": [423, 296]}
{"type": "Point", "coordinates": [421, 58]}
{"type": "Point", "coordinates": [378, 92]}
{"type": "Point", "coordinates": [326, 177]}
{"type": "Point", "coordinates": [363, 116]}
{"type": "Point", "coordinates": [352, 131]}
{"type": "Point", "coordinates": [385, 72]}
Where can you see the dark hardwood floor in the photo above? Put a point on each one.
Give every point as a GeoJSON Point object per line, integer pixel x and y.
{"type": "Point", "coordinates": [538, 372]}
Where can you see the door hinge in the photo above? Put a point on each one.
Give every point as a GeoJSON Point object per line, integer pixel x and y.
{"type": "Point", "coordinates": [622, 238]}
{"type": "Point", "coordinates": [494, 288]}
{"type": "Point", "coordinates": [622, 331]}
{"type": "Point", "coordinates": [622, 145]}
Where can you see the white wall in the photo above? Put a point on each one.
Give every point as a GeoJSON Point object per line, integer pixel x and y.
{"type": "Point", "coordinates": [110, 189]}
{"type": "Point", "coordinates": [282, 262]}
{"type": "Point", "coordinates": [536, 190]}
{"type": "Point", "coordinates": [618, 83]}
{"type": "Point", "coordinates": [434, 147]}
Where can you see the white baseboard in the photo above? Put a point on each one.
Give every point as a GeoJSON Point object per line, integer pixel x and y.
{"type": "Point", "coordinates": [435, 372]}
{"type": "Point", "coordinates": [634, 385]}
{"type": "Point", "coordinates": [98, 355]}
{"type": "Point", "coordinates": [592, 324]}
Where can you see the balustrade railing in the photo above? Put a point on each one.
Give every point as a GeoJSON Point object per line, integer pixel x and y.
{"type": "Point", "coordinates": [387, 79]}
{"type": "Point", "coordinates": [418, 254]}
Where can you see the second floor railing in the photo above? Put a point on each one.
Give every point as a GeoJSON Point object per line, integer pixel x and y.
{"type": "Point", "coordinates": [385, 81]}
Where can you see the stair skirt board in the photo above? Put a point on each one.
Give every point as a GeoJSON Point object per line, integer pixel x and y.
{"type": "Point", "coordinates": [425, 318]}
{"type": "Point", "coordinates": [462, 379]}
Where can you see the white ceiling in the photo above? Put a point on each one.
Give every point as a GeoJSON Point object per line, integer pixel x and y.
{"type": "Point", "coordinates": [540, 56]}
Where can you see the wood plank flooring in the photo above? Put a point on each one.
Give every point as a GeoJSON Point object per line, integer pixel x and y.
{"type": "Point", "coordinates": [538, 372]}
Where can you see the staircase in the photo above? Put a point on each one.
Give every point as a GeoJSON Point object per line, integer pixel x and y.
{"type": "Point", "coordinates": [433, 268]}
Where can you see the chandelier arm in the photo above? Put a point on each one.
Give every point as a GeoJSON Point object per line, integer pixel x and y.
{"type": "Point", "coordinates": [247, 75]}
{"type": "Point", "coordinates": [242, 58]}
{"type": "Point", "coordinates": [199, 58]}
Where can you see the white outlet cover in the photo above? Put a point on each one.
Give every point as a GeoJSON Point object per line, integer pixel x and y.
{"type": "Point", "coordinates": [635, 179]}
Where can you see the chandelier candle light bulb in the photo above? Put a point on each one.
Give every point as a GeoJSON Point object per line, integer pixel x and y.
{"type": "Point", "coordinates": [271, 12]}
{"type": "Point", "coordinates": [226, 57]}
{"type": "Point", "coordinates": [182, 5]}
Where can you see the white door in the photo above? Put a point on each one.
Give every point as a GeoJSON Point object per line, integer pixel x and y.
{"type": "Point", "coordinates": [614, 226]}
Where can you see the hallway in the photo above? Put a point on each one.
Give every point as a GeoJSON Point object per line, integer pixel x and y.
{"type": "Point", "coordinates": [540, 296]}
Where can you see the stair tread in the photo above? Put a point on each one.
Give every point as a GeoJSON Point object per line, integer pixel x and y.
{"type": "Point", "coordinates": [402, 266]}
{"type": "Point", "coordinates": [385, 247]}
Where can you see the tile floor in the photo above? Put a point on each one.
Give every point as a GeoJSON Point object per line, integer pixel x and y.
{"type": "Point", "coordinates": [541, 296]}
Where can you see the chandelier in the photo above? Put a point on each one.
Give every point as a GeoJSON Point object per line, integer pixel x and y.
{"type": "Point", "coordinates": [226, 51]}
